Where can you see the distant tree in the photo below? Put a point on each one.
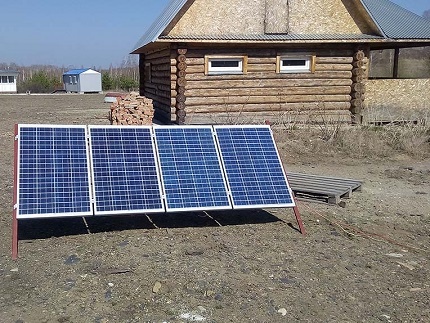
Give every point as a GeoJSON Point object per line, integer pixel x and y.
{"type": "Point", "coordinates": [107, 82]}
{"type": "Point", "coordinates": [426, 14]}
{"type": "Point", "coordinates": [127, 83]}
{"type": "Point", "coordinates": [40, 82]}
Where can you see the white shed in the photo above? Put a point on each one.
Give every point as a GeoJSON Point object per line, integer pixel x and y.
{"type": "Point", "coordinates": [8, 81]}
{"type": "Point", "coordinates": [82, 81]}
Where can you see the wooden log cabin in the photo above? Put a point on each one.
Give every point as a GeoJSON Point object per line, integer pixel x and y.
{"type": "Point", "coordinates": [224, 61]}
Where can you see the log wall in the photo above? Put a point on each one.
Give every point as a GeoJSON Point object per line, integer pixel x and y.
{"type": "Point", "coordinates": [327, 90]}
{"type": "Point", "coordinates": [183, 93]}
{"type": "Point", "coordinates": [160, 85]}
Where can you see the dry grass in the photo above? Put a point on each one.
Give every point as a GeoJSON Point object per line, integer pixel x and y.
{"type": "Point", "coordinates": [372, 140]}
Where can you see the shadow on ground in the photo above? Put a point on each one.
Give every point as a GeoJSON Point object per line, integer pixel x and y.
{"type": "Point", "coordinates": [30, 229]}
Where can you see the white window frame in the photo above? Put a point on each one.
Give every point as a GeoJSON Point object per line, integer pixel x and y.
{"type": "Point", "coordinates": [213, 70]}
{"type": "Point", "coordinates": [308, 67]}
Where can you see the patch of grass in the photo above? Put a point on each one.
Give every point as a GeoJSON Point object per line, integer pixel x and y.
{"type": "Point", "coordinates": [370, 140]}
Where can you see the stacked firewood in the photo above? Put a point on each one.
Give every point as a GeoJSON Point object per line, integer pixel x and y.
{"type": "Point", "coordinates": [132, 109]}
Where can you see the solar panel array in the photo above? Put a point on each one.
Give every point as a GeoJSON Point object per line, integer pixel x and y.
{"type": "Point", "coordinates": [101, 170]}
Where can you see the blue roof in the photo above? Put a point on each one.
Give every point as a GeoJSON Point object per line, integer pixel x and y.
{"type": "Point", "coordinates": [76, 71]}
{"type": "Point", "coordinates": [396, 22]}
{"type": "Point", "coordinates": [392, 20]}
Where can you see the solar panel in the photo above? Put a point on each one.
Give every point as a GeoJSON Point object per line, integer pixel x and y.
{"type": "Point", "coordinates": [190, 167]}
{"type": "Point", "coordinates": [124, 170]}
{"type": "Point", "coordinates": [253, 168]}
{"type": "Point", "coordinates": [53, 177]}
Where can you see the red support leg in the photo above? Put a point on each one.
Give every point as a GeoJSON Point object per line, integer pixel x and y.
{"type": "Point", "coordinates": [298, 218]}
{"type": "Point", "coordinates": [15, 198]}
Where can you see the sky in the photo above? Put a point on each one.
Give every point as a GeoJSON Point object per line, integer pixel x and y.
{"type": "Point", "coordinates": [85, 33]}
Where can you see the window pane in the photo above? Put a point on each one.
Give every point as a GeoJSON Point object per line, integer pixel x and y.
{"type": "Point", "coordinates": [11, 79]}
{"type": "Point", "coordinates": [4, 79]}
{"type": "Point", "coordinates": [225, 63]}
{"type": "Point", "coordinates": [293, 62]}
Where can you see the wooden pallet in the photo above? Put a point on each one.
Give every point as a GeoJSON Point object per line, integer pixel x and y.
{"type": "Point", "coordinates": [325, 189]}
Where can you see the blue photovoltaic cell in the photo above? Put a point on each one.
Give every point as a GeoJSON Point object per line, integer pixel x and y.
{"type": "Point", "coordinates": [53, 173]}
{"type": "Point", "coordinates": [124, 170]}
{"type": "Point", "coordinates": [253, 169]}
{"type": "Point", "coordinates": [190, 168]}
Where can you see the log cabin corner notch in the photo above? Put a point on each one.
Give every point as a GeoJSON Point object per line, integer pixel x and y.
{"type": "Point", "coordinates": [203, 60]}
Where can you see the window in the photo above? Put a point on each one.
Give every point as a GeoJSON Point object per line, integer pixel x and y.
{"type": "Point", "coordinates": [4, 79]}
{"type": "Point", "coordinates": [70, 80]}
{"type": "Point", "coordinates": [225, 65]}
{"type": "Point", "coordinates": [75, 80]}
{"type": "Point", "coordinates": [295, 64]}
{"type": "Point", "coordinates": [11, 79]}
{"type": "Point", "coordinates": [403, 63]}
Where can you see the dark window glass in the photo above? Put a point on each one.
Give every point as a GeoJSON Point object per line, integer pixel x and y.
{"type": "Point", "coordinates": [293, 62]}
{"type": "Point", "coordinates": [225, 63]}
{"type": "Point", "coordinates": [11, 79]}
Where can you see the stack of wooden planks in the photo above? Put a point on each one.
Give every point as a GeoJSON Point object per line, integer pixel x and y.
{"type": "Point", "coordinates": [132, 109]}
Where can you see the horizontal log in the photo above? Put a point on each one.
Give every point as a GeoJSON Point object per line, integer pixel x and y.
{"type": "Point", "coordinates": [334, 60]}
{"type": "Point", "coordinates": [199, 53]}
{"type": "Point", "coordinates": [266, 107]}
{"type": "Point", "coordinates": [261, 60]}
{"type": "Point", "coordinates": [157, 61]}
{"type": "Point", "coordinates": [261, 91]}
{"type": "Point", "coordinates": [157, 98]}
{"type": "Point", "coordinates": [159, 86]}
{"type": "Point", "coordinates": [261, 68]}
{"type": "Point", "coordinates": [195, 61]}
{"type": "Point", "coordinates": [195, 69]}
{"type": "Point", "coordinates": [267, 99]}
{"type": "Point", "coordinates": [161, 74]}
{"type": "Point", "coordinates": [160, 67]}
{"type": "Point", "coordinates": [164, 107]}
{"type": "Point", "coordinates": [263, 75]}
{"type": "Point", "coordinates": [333, 67]}
{"type": "Point", "coordinates": [161, 53]}
{"type": "Point", "coordinates": [159, 93]}
{"type": "Point", "coordinates": [161, 80]}
{"type": "Point", "coordinates": [266, 83]}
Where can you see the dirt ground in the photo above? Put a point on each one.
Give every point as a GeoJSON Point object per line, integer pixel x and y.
{"type": "Point", "coordinates": [248, 266]}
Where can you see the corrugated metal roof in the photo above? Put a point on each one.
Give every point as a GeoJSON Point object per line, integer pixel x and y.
{"type": "Point", "coordinates": [273, 37]}
{"type": "Point", "coordinates": [396, 22]}
{"type": "Point", "coordinates": [76, 71]}
{"type": "Point", "coordinates": [161, 23]}
{"type": "Point", "coordinates": [10, 72]}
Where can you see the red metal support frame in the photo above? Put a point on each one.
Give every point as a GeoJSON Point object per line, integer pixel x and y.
{"type": "Point", "coordinates": [298, 217]}
{"type": "Point", "coordinates": [15, 197]}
